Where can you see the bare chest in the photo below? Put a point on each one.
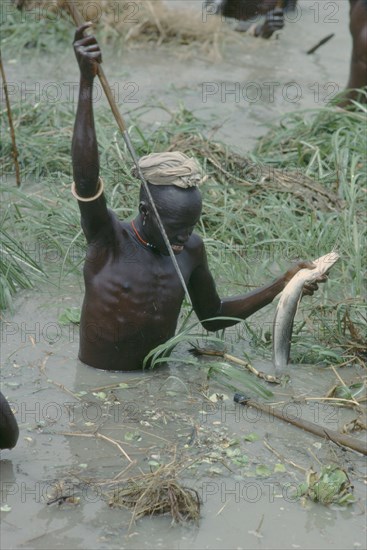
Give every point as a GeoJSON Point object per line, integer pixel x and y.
{"type": "Point", "coordinates": [132, 278]}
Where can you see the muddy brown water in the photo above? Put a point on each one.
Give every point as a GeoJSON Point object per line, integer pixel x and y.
{"type": "Point", "coordinates": [247, 491]}
{"type": "Point", "coordinates": [247, 498]}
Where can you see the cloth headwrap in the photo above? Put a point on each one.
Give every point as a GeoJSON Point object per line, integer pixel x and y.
{"type": "Point", "coordinates": [172, 168]}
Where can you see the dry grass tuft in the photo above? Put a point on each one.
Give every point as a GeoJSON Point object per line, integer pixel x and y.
{"type": "Point", "coordinates": [157, 492]}
{"type": "Point", "coordinates": [258, 179]}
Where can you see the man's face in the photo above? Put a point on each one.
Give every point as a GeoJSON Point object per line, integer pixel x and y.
{"type": "Point", "coordinates": [179, 211]}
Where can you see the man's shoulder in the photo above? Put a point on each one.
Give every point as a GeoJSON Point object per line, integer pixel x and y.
{"type": "Point", "coordinates": [195, 246]}
{"type": "Point", "coordinates": [121, 228]}
{"type": "Point", "coordinates": [113, 228]}
{"type": "Point", "coordinates": [196, 242]}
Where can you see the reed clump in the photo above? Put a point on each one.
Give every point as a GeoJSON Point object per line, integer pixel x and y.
{"type": "Point", "coordinates": [157, 493]}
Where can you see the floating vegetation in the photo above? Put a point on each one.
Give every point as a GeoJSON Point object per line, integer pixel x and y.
{"type": "Point", "coordinates": [235, 378]}
{"type": "Point", "coordinates": [70, 315]}
{"type": "Point", "coordinates": [356, 393]}
{"type": "Point", "coordinates": [157, 492]}
{"type": "Point", "coordinates": [330, 486]}
{"type": "Point", "coordinates": [226, 374]}
{"type": "Point", "coordinates": [238, 361]}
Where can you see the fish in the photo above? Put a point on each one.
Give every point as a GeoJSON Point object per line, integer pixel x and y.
{"type": "Point", "coordinates": [288, 305]}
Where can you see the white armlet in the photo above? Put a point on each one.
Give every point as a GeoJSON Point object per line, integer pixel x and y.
{"type": "Point", "coordinates": [88, 199]}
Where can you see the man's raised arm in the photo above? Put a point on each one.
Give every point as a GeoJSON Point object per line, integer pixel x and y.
{"type": "Point", "coordinates": [84, 145]}
{"type": "Point", "coordinates": [87, 186]}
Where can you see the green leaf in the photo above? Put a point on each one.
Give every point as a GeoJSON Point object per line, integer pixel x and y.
{"type": "Point", "coordinates": [154, 463]}
{"type": "Point", "coordinates": [240, 460]}
{"type": "Point", "coordinates": [230, 452]}
{"type": "Point", "coordinates": [236, 379]}
{"type": "Point", "coordinates": [263, 470]}
{"type": "Point", "coordinates": [348, 392]}
{"type": "Point", "coordinates": [251, 437]}
{"type": "Point", "coordinates": [100, 395]}
{"type": "Point", "coordinates": [70, 315]}
{"type": "Point", "coordinates": [132, 436]}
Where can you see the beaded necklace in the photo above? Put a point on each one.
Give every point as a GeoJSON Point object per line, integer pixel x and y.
{"type": "Point", "coordinates": [145, 243]}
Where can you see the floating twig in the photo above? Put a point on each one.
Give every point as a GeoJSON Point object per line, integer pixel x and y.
{"type": "Point", "coordinates": [100, 436]}
{"type": "Point", "coordinates": [281, 457]}
{"type": "Point", "coordinates": [341, 439]}
{"type": "Point", "coordinates": [116, 385]}
{"type": "Point", "coordinates": [323, 41]}
{"type": "Point", "coordinates": [335, 399]}
{"type": "Point", "coordinates": [42, 367]}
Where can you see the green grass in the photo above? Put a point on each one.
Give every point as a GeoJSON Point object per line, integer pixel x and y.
{"type": "Point", "coordinates": [33, 31]}
{"type": "Point", "coordinates": [254, 223]}
{"type": "Point", "coordinates": [17, 267]}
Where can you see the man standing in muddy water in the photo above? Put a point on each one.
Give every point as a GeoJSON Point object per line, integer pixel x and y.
{"type": "Point", "coordinates": [246, 11]}
{"type": "Point", "coordinates": [133, 294]}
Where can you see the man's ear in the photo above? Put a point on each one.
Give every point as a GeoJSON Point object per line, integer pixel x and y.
{"type": "Point", "coordinates": [144, 210]}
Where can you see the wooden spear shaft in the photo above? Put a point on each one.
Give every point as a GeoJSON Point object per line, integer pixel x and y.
{"type": "Point", "coordinates": [338, 438]}
{"type": "Point", "coordinates": [11, 126]}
